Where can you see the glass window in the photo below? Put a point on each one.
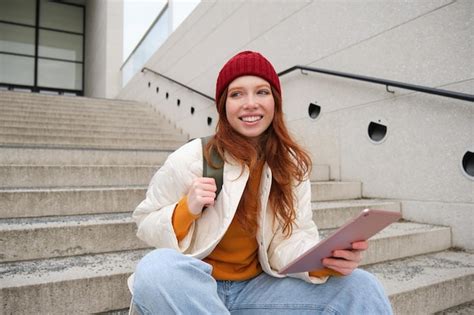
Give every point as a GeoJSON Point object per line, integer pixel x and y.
{"type": "Point", "coordinates": [59, 74]}
{"type": "Point", "coordinates": [155, 37]}
{"type": "Point", "coordinates": [17, 69]}
{"type": "Point", "coordinates": [17, 39]}
{"type": "Point", "coordinates": [60, 45]}
{"type": "Point", "coordinates": [18, 11]}
{"type": "Point", "coordinates": [61, 16]}
{"type": "Point", "coordinates": [138, 16]}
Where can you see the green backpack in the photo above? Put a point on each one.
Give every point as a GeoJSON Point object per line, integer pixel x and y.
{"type": "Point", "coordinates": [208, 170]}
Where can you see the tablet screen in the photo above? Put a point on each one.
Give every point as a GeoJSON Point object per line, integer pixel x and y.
{"type": "Point", "coordinates": [360, 228]}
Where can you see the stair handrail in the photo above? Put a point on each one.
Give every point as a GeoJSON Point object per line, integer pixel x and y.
{"type": "Point", "coordinates": [387, 83]}
{"type": "Point", "coordinates": [179, 83]}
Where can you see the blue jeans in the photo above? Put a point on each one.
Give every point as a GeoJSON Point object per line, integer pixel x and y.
{"type": "Point", "coordinates": [168, 282]}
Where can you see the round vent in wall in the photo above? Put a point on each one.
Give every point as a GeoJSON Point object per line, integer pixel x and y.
{"type": "Point", "coordinates": [314, 110]}
{"type": "Point", "coordinates": [468, 164]}
{"type": "Point", "coordinates": [377, 131]}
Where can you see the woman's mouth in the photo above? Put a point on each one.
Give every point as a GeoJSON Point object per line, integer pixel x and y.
{"type": "Point", "coordinates": [251, 118]}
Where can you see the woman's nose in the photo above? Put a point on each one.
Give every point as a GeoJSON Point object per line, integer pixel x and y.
{"type": "Point", "coordinates": [250, 101]}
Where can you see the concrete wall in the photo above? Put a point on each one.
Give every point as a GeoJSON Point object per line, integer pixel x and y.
{"type": "Point", "coordinates": [428, 43]}
{"type": "Point", "coordinates": [104, 41]}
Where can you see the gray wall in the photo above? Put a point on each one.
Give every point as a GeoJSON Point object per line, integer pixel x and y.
{"type": "Point", "coordinates": [428, 43]}
{"type": "Point", "coordinates": [103, 51]}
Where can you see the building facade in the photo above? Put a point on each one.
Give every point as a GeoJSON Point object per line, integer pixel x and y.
{"type": "Point", "coordinates": [42, 45]}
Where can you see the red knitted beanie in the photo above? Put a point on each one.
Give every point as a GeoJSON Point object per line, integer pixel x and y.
{"type": "Point", "coordinates": [246, 63]}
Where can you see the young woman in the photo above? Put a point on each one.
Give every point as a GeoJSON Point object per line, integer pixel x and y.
{"type": "Point", "coordinates": [222, 255]}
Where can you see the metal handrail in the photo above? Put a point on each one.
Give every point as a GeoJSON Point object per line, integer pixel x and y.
{"type": "Point", "coordinates": [387, 83]}
{"type": "Point", "coordinates": [174, 81]}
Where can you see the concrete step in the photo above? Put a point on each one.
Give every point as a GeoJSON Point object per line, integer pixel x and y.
{"type": "Point", "coordinates": [69, 201]}
{"type": "Point", "coordinates": [150, 118]}
{"type": "Point", "coordinates": [47, 122]}
{"type": "Point", "coordinates": [463, 309]}
{"type": "Point", "coordinates": [403, 239]}
{"type": "Point", "coordinates": [332, 214]}
{"type": "Point", "coordinates": [71, 102]}
{"type": "Point", "coordinates": [416, 285]}
{"type": "Point", "coordinates": [73, 285]}
{"type": "Point", "coordinates": [143, 128]}
{"type": "Point", "coordinates": [10, 155]}
{"type": "Point", "coordinates": [325, 191]}
{"type": "Point", "coordinates": [57, 109]}
{"type": "Point", "coordinates": [49, 237]}
{"type": "Point", "coordinates": [154, 128]}
{"type": "Point", "coordinates": [27, 176]}
{"type": "Point", "coordinates": [320, 173]}
{"type": "Point", "coordinates": [20, 203]}
{"type": "Point", "coordinates": [65, 101]}
{"type": "Point", "coordinates": [90, 132]}
{"type": "Point", "coordinates": [94, 142]}
{"type": "Point", "coordinates": [428, 283]}
{"type": "Point", "coordinates": [36, 238]}
{"type": "Point", "coordinates": [13, 105]}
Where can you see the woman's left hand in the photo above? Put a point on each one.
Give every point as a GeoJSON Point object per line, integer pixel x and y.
{"type": "Point", "coordinates": [345, 261]}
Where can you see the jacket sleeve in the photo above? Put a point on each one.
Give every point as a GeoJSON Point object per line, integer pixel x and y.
{"type": "Point", "coordinates": [170, 183]}
{"type": "Point", "coordinates": [305, 234]}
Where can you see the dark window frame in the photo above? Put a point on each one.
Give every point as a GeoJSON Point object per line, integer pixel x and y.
{"type": "Point", "coordinates": [35, 87]}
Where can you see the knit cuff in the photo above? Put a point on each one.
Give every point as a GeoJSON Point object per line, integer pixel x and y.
{"type": "Point", "coordinates": [182, 218]}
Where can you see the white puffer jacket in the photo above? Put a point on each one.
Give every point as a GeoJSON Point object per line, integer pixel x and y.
{"type": "Point", "coordinates": [172, 181]}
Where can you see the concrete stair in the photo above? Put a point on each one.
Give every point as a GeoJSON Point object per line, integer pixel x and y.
{"type": "Point", "coordinates": [90, 141]}
{"type": "Point", "coordinates": [57, 155]}
{"type": "Point", "coordinates": [80, 125]}
{"type": "Point", "coordinates": [462, 309]}
{"type": "Point", "coordinates": [428, 283]}
{"type": "Point", "coordinates": [70, 123]}
{"type": "Point", "coordinates": [78, 175]}
{"type": "Point", "coordinates": [63, 236]}
{"type": "Point", "coordinates": [68, 242]}
{"type": "Point", "coordinates": [5, 129]}
{"type": "Point", "coordinates": [324, 191]}
{"type": "Point", "coordinates": [33, 202]}
{"type": "Point", "coordinates": [73, 285]}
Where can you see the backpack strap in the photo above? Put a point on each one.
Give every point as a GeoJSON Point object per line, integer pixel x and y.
{"type": "Point", "coordinates": [208, 170]}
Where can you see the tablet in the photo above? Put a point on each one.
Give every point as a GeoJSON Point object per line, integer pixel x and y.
{"type": "Point", "coordinates": [360, 228]}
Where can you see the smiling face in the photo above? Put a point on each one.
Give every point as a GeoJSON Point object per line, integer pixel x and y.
{"type": "Point", "coordinates": [250, 106]}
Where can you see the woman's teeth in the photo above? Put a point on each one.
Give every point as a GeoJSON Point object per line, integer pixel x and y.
{"type": "Point", "coordinates": [251, 118]}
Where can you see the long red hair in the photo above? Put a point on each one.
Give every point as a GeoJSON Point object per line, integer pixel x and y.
{"type": "Point", "coordinates": [289, 163]}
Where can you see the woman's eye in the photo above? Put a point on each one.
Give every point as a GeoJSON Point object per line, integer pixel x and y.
{"type": "Point", "coordinates": [235, 94]}
{"type": "Point", "coordinates": [264, 92]}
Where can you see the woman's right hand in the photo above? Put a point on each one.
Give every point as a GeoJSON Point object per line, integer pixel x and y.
{"type": "Point", "coordinates": [201, 194]}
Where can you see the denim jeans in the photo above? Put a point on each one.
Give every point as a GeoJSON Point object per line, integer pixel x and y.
{"type": "Point", "coordinates": [168, 282]}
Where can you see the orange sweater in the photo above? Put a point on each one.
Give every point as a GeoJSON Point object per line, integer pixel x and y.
{"type": "Point", "coordinates": [236, 255]}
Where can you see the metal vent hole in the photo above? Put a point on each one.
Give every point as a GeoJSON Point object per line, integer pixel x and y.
{"type": "Point", "coordinates": [314, 110]}
{"type": "Point", "coordinates": [468, 164]}
{"type": "Point", "coordinates": [377, 132]}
